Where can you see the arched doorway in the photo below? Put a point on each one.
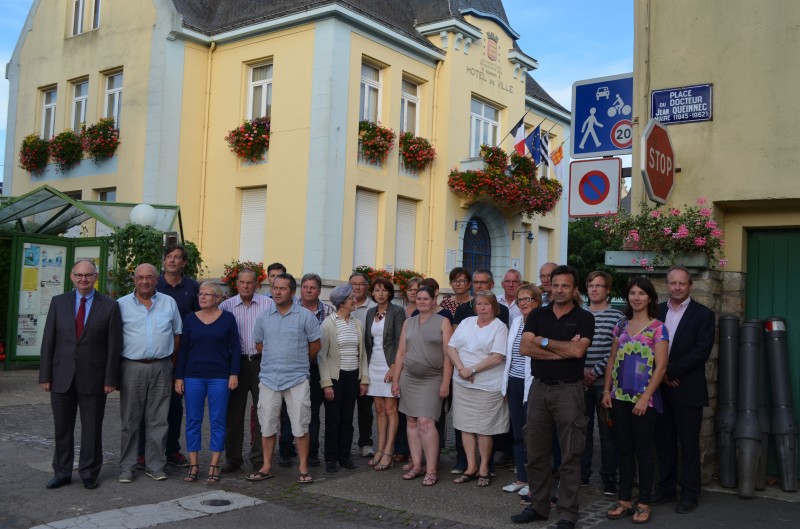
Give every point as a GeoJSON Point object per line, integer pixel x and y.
{"type": "Point", "coordinates": [477, 248]}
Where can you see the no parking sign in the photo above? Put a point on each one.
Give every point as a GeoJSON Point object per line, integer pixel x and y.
{"type": "Point", "coordinates": [594, 187]}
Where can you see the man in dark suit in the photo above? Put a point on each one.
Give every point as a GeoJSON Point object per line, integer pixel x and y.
{"type": "Point", "coordinates": [685, 393]}
{"type": "Point", "coordinates": [80, 359]}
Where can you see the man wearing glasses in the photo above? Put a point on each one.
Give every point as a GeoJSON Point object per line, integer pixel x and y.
{"type": "Point", "coordinates": [151, 329]}
{"type": "Point", "coordinates": [79, 367]}
{"type": "Point", "coordinates": [482, 279]}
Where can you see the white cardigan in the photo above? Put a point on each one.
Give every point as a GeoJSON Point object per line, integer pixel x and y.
{"type": "Point", "coordinates": [512, 334]}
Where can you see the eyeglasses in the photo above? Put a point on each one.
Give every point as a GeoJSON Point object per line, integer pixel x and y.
{"type": "Point", "coordinates": [83, 276]}
{"type": "Point", "coordinates": [203, 294]}
{"type": "Point", "coordinates": [458, 282]}
{"type": "Point", "coordinates": [525, 300]}
{"type": "Point", "coordinates": [412, 290]}
{"type": "Point", "coordinates": [358, 285]}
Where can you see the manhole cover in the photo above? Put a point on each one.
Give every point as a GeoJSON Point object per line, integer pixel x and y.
{"type": "Point", "coordinates": [216, 503]}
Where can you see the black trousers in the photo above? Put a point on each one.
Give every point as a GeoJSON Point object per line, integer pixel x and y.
{"type": "Point", "coordinates": [679, 424]}
{"type": "Point", "coordinates": [365, 419]}
{"type": "Point", "coordinates": [65, 411]}
{"type": "Point", "coordinates": [635, 438]}
{"type": "Point", "coordinates": [234, 420]}
{"type": "Point", "coordinates": [339, 417]}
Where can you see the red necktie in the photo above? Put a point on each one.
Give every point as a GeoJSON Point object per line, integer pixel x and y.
{"type": "Point", "coordinates": [79, 319]}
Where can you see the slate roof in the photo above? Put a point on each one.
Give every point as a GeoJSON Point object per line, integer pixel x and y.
{"type": "Point", "coordinates": [535, 90]}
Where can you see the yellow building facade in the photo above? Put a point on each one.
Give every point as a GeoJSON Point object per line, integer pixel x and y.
{"type": "Point", "coordinates": [179, 77]}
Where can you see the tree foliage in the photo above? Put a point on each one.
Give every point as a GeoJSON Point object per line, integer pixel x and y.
{"type": "Point", "coordinates": [587, 247]}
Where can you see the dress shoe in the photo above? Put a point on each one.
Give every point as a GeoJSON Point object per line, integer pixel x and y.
{"type": "Point", "coordinates": [331, 466]}
{"type": "Point", "coordinates": [528, 515]}
{"type": "Point", "coordinates": [89, 483]}
{"type": "Point", "coordinates": [685, 506]}
{"type": "Point", "coordinates": [229, 467]}
{"type": "Point", "coordinates": [56, 483]}
{"type": "Point", "coordinates": [348, 464]}
{"type": "Point", "coordinates": [660, 498]}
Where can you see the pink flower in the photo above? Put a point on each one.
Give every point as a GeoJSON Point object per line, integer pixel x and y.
{"type": "Point", "coordinates": [701, 201]}
{"type": "Point", "coordinates": [716, 233]}
{"type": "Point", "coordinates": [682, 232]}
{"type": "Point", "coordinates": [705, 212]}
{"type": "Point", "coordinates": [710, 224]}
{"type": "Point", "coordinates": [723, 263]}
{"type": "Point", "coordinates": [655, 213]}
{"type": "Point", "coordinates": [699, 241]}
{"type": "Point", "coordinates": [674, 212]}
{"type": "Point", "coordinates": [667, 231]}
{"type": "Point", "coordinates": [643, 263]}
{"type": "Point", "coordinates": [633, 235]}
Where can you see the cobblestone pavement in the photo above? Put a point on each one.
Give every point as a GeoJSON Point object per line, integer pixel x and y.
{"type": "Point", "coordinates": [348, 498]}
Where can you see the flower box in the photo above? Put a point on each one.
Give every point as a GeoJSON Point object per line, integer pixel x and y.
{"type": "Point", "coordinates": [633, 261]}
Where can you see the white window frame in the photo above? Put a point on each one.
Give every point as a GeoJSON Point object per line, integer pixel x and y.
{"type": "Point", "coordinates": [78, 7]}
{"type": "Point", "coordinates": [368, 85]}
{"type": "Point", "coordinates": [479, 124]}
{"type": "Point", "coordinates": [405, 99]}
{"type": "Point", "coordinates": [266, 91]}
{"type": "Point", "coordinates": [79, 103]}
{"type": "Point", "coordinates": [365, 229]}
{"type": "Point", "coordinates": [49, 113]}
{"type": "Point", "coordinates": [405, 233]}
{"type": "Point", "coordinates": [96, 14]}
{"type": "Point", "coordinates": [116, 95]}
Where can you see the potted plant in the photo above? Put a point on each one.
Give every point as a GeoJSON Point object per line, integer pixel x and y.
{"type": "Point", "coordinates": [250, 141]}
{"type": "Point", "coordinates": [375, 141]}
{"type": "Point", "coordinates": [514, 189]}
{"type": "Point", "coordinates": [401, 277]}
{"type": "Point", "coordinates": [33, 154]}
{"type": "Point", "coordinates": [668, 236]}
{"type": "Point", "coordinates": [231, 273]}
{"type": "Point", "coordinates": [100, 141]}
{"type": "Point", "coordinates": [66, 150]}
{"type": "Point", "coordinates": [417, 153]}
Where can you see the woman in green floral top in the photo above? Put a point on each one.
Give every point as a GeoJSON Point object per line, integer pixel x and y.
{"type": "Point", "coordinates": [637, 364]}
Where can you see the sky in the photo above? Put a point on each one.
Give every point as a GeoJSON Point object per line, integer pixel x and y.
{"type": "Point", "coordinates": [571, 39]}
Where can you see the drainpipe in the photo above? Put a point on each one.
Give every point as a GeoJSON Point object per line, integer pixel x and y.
{"type": "Point", "coordinates": [204, 159]}
{"type": "Point", "coordinates": [434, 117]}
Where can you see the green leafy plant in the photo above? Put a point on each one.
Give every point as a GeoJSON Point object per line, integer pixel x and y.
{"type": "Point", "coordinates": [669, 232]}
{"type": "Point", "coordinates": [100, 141]}
{"type": "Point", "coordinates": [587, 248]}
{"type": "Point", "coordinates": [401, 277]}
{"type": "Point", "coordinates": [33, 154]}
{"type": "Point", "coordinates": [417, 153]}
{"type": "Point", "coordinates": [232, 269]}
{"type": "Point", "coordinates": [66, 150]}
{"type": "Point", "coordinates": [376, 141]}
{"type": "Point", "coordinates": [517, 188]}
{"type": "Point", "coordinates": [135, 244]}
{"type": "Point", "coordinates": [250, 141]}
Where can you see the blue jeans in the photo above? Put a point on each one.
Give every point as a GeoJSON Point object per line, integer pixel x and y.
{"type": "Point", "coordinates": [519, 414]}
{"type": "Point", "coordinates": [608, 444]}
{"type": "Point", "coordinates": [217, 392]}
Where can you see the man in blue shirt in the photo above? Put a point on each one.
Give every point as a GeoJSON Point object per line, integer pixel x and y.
{"type": "Point", "coordinates": [288, 338]}
{"type": "Point", "coordinates": [151, 328]}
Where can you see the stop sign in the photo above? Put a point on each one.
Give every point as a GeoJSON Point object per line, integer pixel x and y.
{"type": "Point", "coordinates": [658, 162]}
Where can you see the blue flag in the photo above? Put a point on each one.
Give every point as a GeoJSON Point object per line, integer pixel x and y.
{"type": "Point", "coordinates": [533, 141]}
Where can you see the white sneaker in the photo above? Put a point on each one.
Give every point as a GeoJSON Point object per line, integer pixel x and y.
{"type": "Point", "coordinates": [513, 487]}
{"type": "Point", "coordinates": [367, 451]}
{"type": "Point", "coordinates": [524, 491]}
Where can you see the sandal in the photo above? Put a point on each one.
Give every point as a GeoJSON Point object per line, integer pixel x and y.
{"type": "Point", "coordinates": [305, 479]}
{"type": "Point", "coordinates": [380, 467]}
{"type": "Point", "coordinates": [375, 458]}
{"type": "Point", "coordinates": [642, 510]}
{"type": "Point", "coordinates": [413, 473]}
{"type": "Point", "coordinates": [430, 480]}
{"type": "Point", "coordinates": [213, 475]}
{"type": "Point", "coordinates": [408, 466]}
{"type": "Point", "coordinates": [191, 477]}
{"type": "Point", "coordinates": [620, 510]}
{"type": "Point", "coordinates": [484, 481]}
{"type": "Point", "coordinates": [465, 478]}
{"type": "Point", "coordinates": [259, 475]}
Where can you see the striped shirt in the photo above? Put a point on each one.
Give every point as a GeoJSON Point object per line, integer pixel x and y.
{"type": "Point", "coordinates": [517, 360]}
{"type": "Point", "coordinates": [347, 338]}
{"type": "Point", "coordinates": [246, 316]}
{"type": "Point", "coordinates": [597, 354]}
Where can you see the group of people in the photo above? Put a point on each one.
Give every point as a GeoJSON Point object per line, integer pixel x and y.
{"type": "Point", "coordinates": [524, 373]}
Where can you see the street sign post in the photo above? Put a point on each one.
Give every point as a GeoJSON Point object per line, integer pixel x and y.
{"type": "Point", "coordinates": [602, 109]}
{"type": "Point", "coordinates": [657, 161]}
{"type": "Point", "coordinates": [594, 187]}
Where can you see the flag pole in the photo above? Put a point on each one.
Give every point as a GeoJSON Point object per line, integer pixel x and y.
{"type": "Point", "coordinates": [509, 132]}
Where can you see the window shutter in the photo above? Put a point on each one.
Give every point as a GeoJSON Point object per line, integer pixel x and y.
{"type": "Point", "coordinates": [543, 247]}
{"type": "Point", "coordinates": [365, 238]}
{"type": "Point", "coordinates": [405, 233]}
{"type": "Point", "coordinates": [252, 230]}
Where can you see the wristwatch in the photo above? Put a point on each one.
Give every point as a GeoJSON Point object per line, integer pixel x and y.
{"type": "Point", "coordinates": [545, 343]}
{"type": "Point", "coordinates": [474, 371]}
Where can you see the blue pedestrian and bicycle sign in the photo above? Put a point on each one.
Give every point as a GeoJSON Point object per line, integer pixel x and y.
{"type": "Point", "coordinates": [601, 116]}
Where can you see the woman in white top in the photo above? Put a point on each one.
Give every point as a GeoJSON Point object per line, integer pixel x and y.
{"type": "Point", "coordinates": [477, 350]}
{"type": "Point", "coordinates": [517, 380]}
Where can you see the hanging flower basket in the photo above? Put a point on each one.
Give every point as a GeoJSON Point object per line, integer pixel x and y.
{"type": "Point", "coordinates": [417, 153]}
{"type": "Point", "coordinates": [33, 154]}
{"type": "Point", "coordinates": [66, 150]}
{"type": "Point", "coordinates": [100, 141]}
{"type": "Point", "coordinates": [232, 269]}
{"type": "Point", "coordinates": [376, 141]}
{"type": "Point", "coordinates": [515, 190]}
{"type": "Point", "coordinates": [666, 237]}
{"type": "Point", "coordinates": [250, 141]}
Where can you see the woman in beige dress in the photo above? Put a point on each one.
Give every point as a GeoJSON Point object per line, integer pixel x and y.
{"type": "Point", "coordinates": [421, 379]}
